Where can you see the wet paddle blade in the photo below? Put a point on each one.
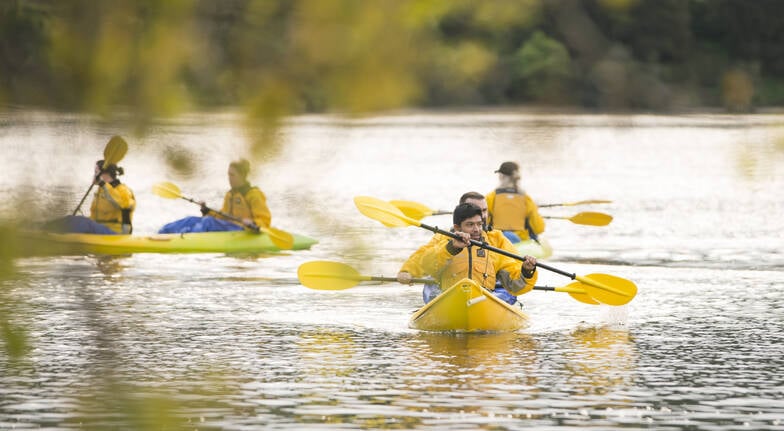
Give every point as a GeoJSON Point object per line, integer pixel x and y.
{"type": "Point", "coordinates": [325, 275]}
{"type": "Point", "coordinates": [576, 290]}
{"type": "Point", "coordinates": [591, 218]}
{"type": "Point", "coordinates": [166, 190]}
{"type": "Point", "coordinates": [382, 211]}
{"type": "Point", "coordinates": [114, 151]}
{"type": "Point", "coordinates": [608, 289]}
{"type": "Point", "coordinates": [415, 210]}
{"type": "Point", "coordinates": [282, 239]}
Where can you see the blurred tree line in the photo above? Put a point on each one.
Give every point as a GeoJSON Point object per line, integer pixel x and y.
{"type": "Point", "coordinates": [280, 57]}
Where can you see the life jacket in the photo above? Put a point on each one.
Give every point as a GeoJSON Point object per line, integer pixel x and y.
{"type": "Point", "coordinates": [236, 202]}
{"type": "Point", "coordinates": [456, 268]}
{"type": "Point", "coordinates": [106, 209]}
{"type": "Point", "coordinates": [509, 210]}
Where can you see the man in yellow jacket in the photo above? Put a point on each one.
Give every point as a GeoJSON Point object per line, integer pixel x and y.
{"type": "Point", "coordinates": [242, 202]}
{"type": "Point", "coordinates": [446, 259]}
{"type": "Point", "coordinates": [113, 203]}
{"type": "Point", "coordinates": [511, 209]}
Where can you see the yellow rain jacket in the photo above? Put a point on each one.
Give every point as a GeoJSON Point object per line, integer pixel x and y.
{"type": "Point", "coordinates": [113, 206]}
{"type": "Point", "coordinates": [435, 260]}
{"type": "Point", "coordinates": [247, 202]}
{"type": "Point", "coordinates": [516, 212]}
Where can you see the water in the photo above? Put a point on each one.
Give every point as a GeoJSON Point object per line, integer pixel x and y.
{"type": "Point", "coordinates": [222, 342]}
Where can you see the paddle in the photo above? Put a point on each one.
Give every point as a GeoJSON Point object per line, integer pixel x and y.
{"type": "Point", "coordinates": [569, 204]}
{"type": "Point", "coordinates": [326, 275]}
{"type": "Point", "coordinates": [587, 218]}
{"type": "Point", "coordinates": [610, 289]}
{"type": "Point", "coordinates": [418, 211]}
{"type": "Point", "coordinates": [281, 239]}
{"type": "Point", "coordinates": [113, 152]}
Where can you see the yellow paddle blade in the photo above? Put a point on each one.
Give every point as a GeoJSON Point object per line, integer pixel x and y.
{"type": "Point", "coordinates": [591, 218]}
{"type": "Point", "coordinates": [325, 275]}
{"type": "Point", "coordinates": [384, 212]}
{"type": "Point", "coordinates": [576, 290]}
{"type": "Point", "coordinates": [282, 239]}
{"type": "Point", "coordinates": [166, 190]}
{"type": "Point", "coordinates": [608, 289]}
{"type": "Point", "coordinates": [415, 210]}
{"type": "Point", "coordinates": [114, 151]}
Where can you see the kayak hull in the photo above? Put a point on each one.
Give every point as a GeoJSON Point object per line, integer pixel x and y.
{"type": "Point", "coordinates": [468, 307]}
{"type": "Point", "coordinates": [540, 249]}
{"type": "Point", "coordinates": [202, 242]}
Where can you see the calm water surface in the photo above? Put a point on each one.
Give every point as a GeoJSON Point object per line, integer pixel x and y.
{"type": "Point", "coordinates": [235, 342]}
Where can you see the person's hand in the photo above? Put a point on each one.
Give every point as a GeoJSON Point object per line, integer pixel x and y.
{"type": "Point", "coordinates": [204, 209]}
{"type": "Point", "coordinates": [249, 224]}
{"type": "Point", "coordinates": [464, 241]}
{"type": "Point", "coordinates": [529, 265]}
{"type": "Point", "coordinates": [404, 277]}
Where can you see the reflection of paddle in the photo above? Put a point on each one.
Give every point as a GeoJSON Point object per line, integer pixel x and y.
{"type": "Point", "coordinates": [326, 275]}
{"type": "Point", "coordinates": [281, 239]}
{"type": "Point", "coordinates": [418, 211]}
{"type": "Point", "coordinates": [609, 288]}
{"type": "Point", "coordinates": [588, 218]}
{"type": "Point", "coordinates": [113, 152]}
{"type": "Point", "coordinates": [569, 204]}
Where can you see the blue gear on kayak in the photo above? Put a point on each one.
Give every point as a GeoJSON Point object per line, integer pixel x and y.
{"type": "Point", "coordinates": [199, 224]}
{"type": "Point", "coordinates": [77, 224]}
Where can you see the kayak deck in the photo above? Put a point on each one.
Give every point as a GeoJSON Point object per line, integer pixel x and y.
{"type": "Point", "coordinates": [468, 307]}
{"type": "Point", "coordinates": [202, 242]}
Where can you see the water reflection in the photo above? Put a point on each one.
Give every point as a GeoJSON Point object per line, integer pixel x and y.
{"type": "Point", "coordinates": [601, 360]}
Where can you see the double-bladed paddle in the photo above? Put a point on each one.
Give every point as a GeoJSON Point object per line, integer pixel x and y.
{"type": "Point", "coordinates": [610, 289]}
{"type": "Point", "coordinates": [326, 275]}
{"type": "Point", "coordinates": [418, 211]}
{"type": "Point", "coordinates": [281, 239]}
{"type": "Point", "coordinates": [569, 204]}
{"type": "Point", "coordinates": [113, 152]}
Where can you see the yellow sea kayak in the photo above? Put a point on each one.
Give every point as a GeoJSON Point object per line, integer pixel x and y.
{"type": "Point", "coordinates": [45, 243]}
{"type": "Point", "coordinates": [468, 307]}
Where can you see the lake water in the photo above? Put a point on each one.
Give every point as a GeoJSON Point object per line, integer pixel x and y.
{"type": "Point", "coordinates": [226, 342]}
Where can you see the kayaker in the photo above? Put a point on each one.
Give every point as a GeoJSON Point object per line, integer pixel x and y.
{"type": "Point", "coordinates": [111, 211]}
{"type": "Point", "coordinates": [511, 209]}
{"type": "Point", "coordinates": [446, 260]}
{"type": "Point", "coordinates": [242, 201]}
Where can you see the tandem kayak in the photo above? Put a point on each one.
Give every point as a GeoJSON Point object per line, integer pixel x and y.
{"type": "Point", "coordinates": [468, 307]}
{"type": "Point", "coordinates": [540, 249]}
{"type": "Point", "coordinates": [37, 243]}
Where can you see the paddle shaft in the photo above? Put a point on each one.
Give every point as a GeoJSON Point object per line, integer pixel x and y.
{"type": "Point", "coordinates": [222, 214]}
{"type": "Point", "coordinates": [78, 207]}
{"type": "Point", "coordinates": [495, 249]}
{"type": "Point", "coordinates": [431, 281]}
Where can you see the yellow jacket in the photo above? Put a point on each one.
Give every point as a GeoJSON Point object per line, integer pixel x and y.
{"type": "Point", "coordinates": [531, 217]}
{"type": "Point", "coordinates": [113, 206]}
{"type": "Point", "coordinates": [247, 202]}
{"type": "Point", "coordinates": [432, 258]}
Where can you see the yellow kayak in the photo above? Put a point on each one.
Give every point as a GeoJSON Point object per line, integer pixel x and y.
{"type": "Point", "coordinates": [468, 307]}
{"type": "Point", "coordinates": [45, 243]}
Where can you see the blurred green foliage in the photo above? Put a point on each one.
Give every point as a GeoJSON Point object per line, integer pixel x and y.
{"type": "Point", "coordinates": [281, 57]}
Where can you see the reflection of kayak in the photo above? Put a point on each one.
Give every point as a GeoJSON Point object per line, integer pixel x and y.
{"type": "Point", "coordinates": [202, 242]}
{"type": "Point", "coordinates": [467, 307]}
{"type": "Point", "coordinates": [539, 250]}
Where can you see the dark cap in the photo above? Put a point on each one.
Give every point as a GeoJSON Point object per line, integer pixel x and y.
{"type": "Point", "coordinates": [508, 168]}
